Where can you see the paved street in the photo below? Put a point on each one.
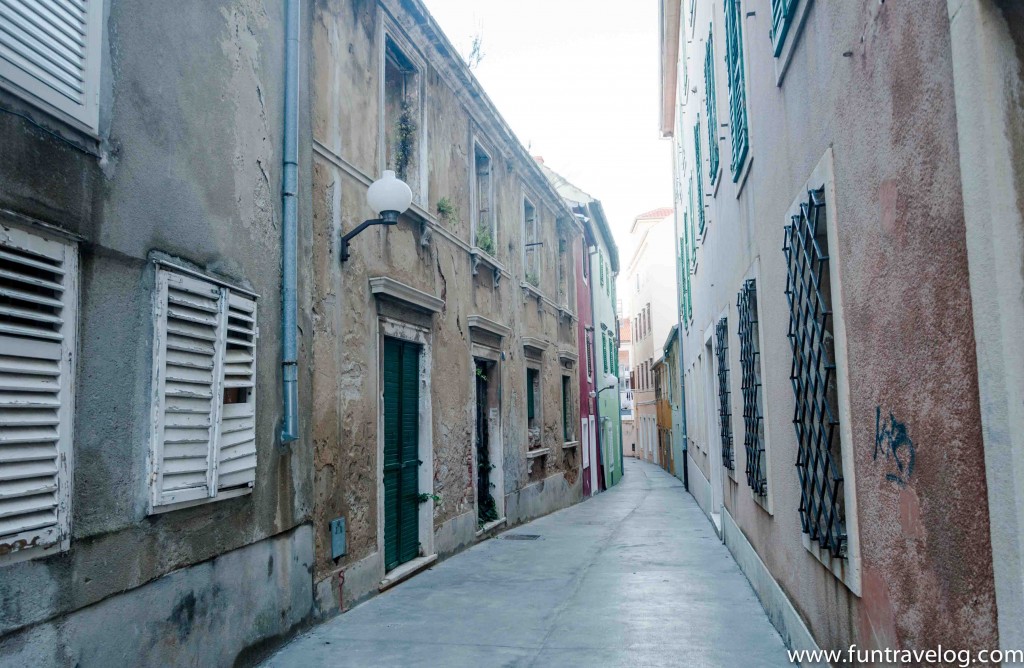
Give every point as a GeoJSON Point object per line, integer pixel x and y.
{"type": "Point", "coordinates": [633, 577]}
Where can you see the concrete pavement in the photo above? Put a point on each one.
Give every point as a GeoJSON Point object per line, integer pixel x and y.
{"type": "Point", "coordinates": [633, 577]}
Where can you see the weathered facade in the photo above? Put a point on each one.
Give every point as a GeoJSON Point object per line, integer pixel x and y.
{"type": "Point", "coordinates": [465, 308]}
{"type": "Point", "coordinates": [149, 514]}
{"type": "Point", "coordinates": [602, 436]}
{"type": "Point", "coordinates": [829, 282]}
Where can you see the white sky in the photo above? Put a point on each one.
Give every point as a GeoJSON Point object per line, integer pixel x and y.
{"type": "Point", "coordinates": [577, 80]}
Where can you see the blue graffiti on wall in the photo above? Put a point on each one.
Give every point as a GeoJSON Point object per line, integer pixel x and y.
{"type": "Point", "coordinates": [891, 440]}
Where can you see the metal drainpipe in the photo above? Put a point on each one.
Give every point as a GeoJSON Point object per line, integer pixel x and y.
{"type": "Point", "coordinates": [289, 226]}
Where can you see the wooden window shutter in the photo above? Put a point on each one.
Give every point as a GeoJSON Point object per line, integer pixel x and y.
{"type": "Point", "coordinates": [38, 303]}
{"type": "Point", "coordinates": [204, 411]}
{"type": "Point", "coordinates": [50, 54]}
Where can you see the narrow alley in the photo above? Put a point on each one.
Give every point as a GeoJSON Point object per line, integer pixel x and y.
{"type": "Point", "coordinates": [633, 577]}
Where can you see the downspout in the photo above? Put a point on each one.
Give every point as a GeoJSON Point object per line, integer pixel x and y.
{"type": "Point", "coordinates": [289, 226]}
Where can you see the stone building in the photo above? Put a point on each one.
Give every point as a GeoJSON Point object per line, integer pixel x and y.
{"type": "Point", "coordinates": [144, 489]}
{"type": "Point", "coordinates": [213, 429]}
{"type": "Point", "coordinates": [848, 200]}
{"type": "Point", "coordinates": [445, 398]}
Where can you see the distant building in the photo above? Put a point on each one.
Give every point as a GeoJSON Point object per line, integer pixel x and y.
{"type": "Point", "coordinates": [626, 382]}
{"type": "Point", "coordinates": [650, 299]}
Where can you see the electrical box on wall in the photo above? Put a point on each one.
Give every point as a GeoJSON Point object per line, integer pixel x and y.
{"type": "Point", "coordinates": [338, 538]}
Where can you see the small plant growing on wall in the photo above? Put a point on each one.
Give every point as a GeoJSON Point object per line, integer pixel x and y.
{"type": "Point", "coordinates": [424, 497]}
{"type": "Point", "coordinates": [447, 212]}
{"type": "Point", "coordinates": [533, 279]}
{"type": "Point", "coordinates": [405, 138]}
{"type": "Point", "coordinates": [484, 240]}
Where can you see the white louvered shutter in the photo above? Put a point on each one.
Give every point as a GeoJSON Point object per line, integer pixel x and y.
{"type": "Point", "coordinates": [50, 49]}
{"type": "Point", "coordinates": [186, 378]}
{"type": "Point", "coordinates": [38, 284]}
{"type": "Point", "coordinates": [236, 447]}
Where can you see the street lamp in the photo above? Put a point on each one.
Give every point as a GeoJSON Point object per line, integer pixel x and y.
{"type": "Point", "coordinates": [608, 378]}
{"type": "Point", "coordinates": [389, 196]}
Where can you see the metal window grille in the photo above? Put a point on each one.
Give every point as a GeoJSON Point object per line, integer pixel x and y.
{"type": "Point", "coordinates": [737, 86]}
{"type": "Point", "coordinates": [700, 177]}
{"type": "Point", "coordinates": [724, 405]}
{"type": "Point", "coordinates": [782, 14]}
{"type": "Point", "coordinates": [750, 368]}
{"type": "Point", "coordinates": [813, 374]}
{"type": "Point", "coordinates": [711, 102]}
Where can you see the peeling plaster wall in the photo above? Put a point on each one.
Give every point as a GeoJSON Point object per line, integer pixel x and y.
{"type": "Point", "coordinates": [431, 254]}
{"type": "Point", "coordinates": [188, 163]}
{"type": "Point", "coordinates": [874, 82]}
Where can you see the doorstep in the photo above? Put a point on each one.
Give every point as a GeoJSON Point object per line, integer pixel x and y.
{"type": "Point", "coordinates": [490, 525]}
{"type": "Point", "coordinates": [405, 571]}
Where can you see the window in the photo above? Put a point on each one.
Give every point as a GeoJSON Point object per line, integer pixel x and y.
{"type": "Point", "coordinates": [604, 352]}
{"type": "Point", "coordinates": [586, 263]}
{"type": "Point", "coordinates": [600, 264]}
{"type": "Point", "coordinates": [204, 370]}
{"type": "Point", "coordinates": [533, 407]}
{"type": "Point", "coordinates": [750, 369]}
{"type": "Point", "coordinates": [711, 103]}
{"type": "Point", "coordinates": [38, 326]}
{"type": "Point", "coordinates": [700, 177]}
{"type": "Point", "coordinates": [401, 116]}
{"type": "Point", "coordinates": [484, 229]}
{"type": "Point", "coordinates": [590, 358]}
{"type": "Point", "coordinates": [567, 414]}
{"type": "Point", "coordinates": [724, 403]}
{"type": "Point", "coordinates": [737, 86]}
{"type": "Point", "coordinates": [532, 245]}
{"type": "Point", "coordinates": [816, 418]}
{"type": "Point", "coordinates": [50, 55]}
{"type": "Point", "coordinates": [782, 15]}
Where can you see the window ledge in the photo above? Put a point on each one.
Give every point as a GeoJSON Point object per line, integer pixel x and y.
{"type": "Point", "coordinates": [531, 290]}
{"type": "Point", "coordinates": [569, 445]}
{"type": "Point", "coordinates": [539, 452]}
{"type": "Point", "coordinates": [221, 496]}
{"type": "Point", "coordinates": [481, 257]}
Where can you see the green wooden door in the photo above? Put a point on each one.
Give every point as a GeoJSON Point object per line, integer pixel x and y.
{"type": "Point", "coordinates": [401, 451]}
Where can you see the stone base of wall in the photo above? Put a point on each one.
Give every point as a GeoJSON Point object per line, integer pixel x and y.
{"type": "Point", "coordinates": [233, 608]}
{"type": "Point", "coordinates": [542, 498]}
{"type": "Point", "coordinates": [776, 604]}
{"type": "Point", "coordinates": [700, 487]}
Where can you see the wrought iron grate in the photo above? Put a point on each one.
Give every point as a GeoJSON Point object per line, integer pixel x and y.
{"type": "Point", "coordinates": [813, 375]}
{"type": "Point", "coordinates": [750, 369]}
{"type": "Point", "coordinates": [724, 405]}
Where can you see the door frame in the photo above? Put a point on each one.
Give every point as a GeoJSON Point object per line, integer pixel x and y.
{"type": "Point", "coordinates": [495, 444]}
{"type": "Point", "coordinates": [388, 327]}
{"type": "Point", "coordinates": [714, 440]}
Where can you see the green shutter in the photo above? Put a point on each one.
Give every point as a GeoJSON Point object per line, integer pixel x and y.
{"type": "Point", "coordinates": [700, 176]}
{"type": "Point", "coordinates": [782, 16]}
{"type": "Point", "coordinates": [604, 353]}
{"type": "Point", "coordinates": [737, 86]}
{"type": "Point", "coordinates": [401, 451]}
{"type": "Point", "coordinates": [565, 408]}
{"type": "Point", "coordinates": [711, 102]}
{"type": "Point", "coordinates": [600, 262]}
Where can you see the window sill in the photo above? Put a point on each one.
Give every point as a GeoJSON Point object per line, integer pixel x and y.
{"type": "Point", "coordinates": [569, 445]}
{"type": "Point", "coordinates": [481, 257]}
{"type": "Point", "coordinates": [221, 496]}
{"type": "Point", "coordinates": [539, 452]}
{"type": "Point", "coordinates": [845, 570]}
{"type": "Point", "coordinates": [532, 290]}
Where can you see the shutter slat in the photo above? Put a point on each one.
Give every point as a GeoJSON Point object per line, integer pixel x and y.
{"type": "Point", "coordinates": [29, 366]}
{"type": "Point", "coordinates": [31, 261]}
{"type": "Point", "coordinates": [27, 435]}
{"type": "Point", "coordinates": [37, 528]}
{"type": "Point", "coordinates": [43, 51]}
{"type": "Point", "coordinates": [29, 314]}
{"type": "Point", "coordinates": [18, 330]}
{"type": "Point", "coordinates": [27, 417]}
{"type": "Point", "coordinates": [16, 382]}
{"type": "Point", "coordinates": [25, 487]}
{"type": "Point", "coordinates": [27, 505]}
{"type": "Point", "coordinates": [32, 297]}
{"type": "Point", "coordinates": [27, 452]}
{"type": "Point", "coordinates": [31, 469]}
{"type": "Point", "coordinates": [13, 400]}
